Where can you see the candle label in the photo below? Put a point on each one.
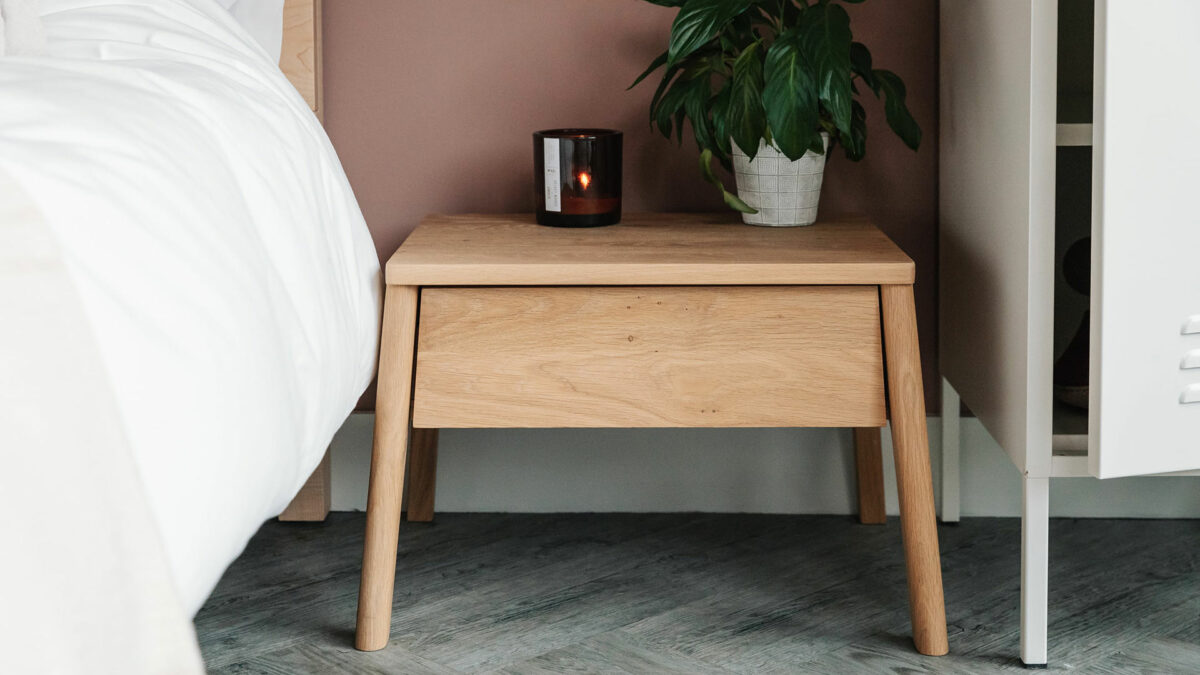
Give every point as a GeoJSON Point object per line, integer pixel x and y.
{"type": "Point", "coordinates": [550, 155]}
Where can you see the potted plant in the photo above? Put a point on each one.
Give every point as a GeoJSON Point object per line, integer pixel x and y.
{"type": "Point", "coordinates": [769, 87]}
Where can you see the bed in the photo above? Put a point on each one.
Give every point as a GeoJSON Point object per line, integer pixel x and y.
{"type": "Point", "coordinates": [189, 307]}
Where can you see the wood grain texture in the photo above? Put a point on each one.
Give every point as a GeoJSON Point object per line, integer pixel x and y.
{"type": "Point", "coordinates": [868, 468]}
{"type": "Point", "coordinates": [649, 357]}
{"type": "Point", "coordinates": [300, 61]}
{"type": "Point", "coordinates": [312, 503]}
{"type": "Point", "coordinates": [910, 441]}
{"type": "Point", "coordinates": [300, 56]}
{"type": "Point", "coordinates": [385, 493]}
{"type": "Point", "coordinates": [422, 475]}
{"type": "Point", "coordinates": [645, 249]}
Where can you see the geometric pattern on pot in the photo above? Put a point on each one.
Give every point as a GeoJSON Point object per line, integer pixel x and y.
{"type": "Point", "coordinates": [785, 193]}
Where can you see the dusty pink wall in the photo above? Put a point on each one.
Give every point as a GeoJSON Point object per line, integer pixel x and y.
{"type": "Point", "coordinates": [430, 104]}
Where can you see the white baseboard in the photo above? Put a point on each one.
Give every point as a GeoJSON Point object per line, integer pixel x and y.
{"type": "Point", "coordinates": [720, 470]}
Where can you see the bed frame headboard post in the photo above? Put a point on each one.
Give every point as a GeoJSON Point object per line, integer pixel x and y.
{"type": "Point", "coordinates": [300, 58]}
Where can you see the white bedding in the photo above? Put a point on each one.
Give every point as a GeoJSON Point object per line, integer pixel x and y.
{"type": "Point", "coordinates": [222, 262]}
{"type": "Point", "coordinates": [85, 586]}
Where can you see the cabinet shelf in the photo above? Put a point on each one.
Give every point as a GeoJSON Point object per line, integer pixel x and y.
{"type": "Point", "coordinates": [1069, 444]}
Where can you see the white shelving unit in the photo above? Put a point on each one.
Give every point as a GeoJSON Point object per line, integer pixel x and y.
{"type": "Point", "coordinates": [1017, 97]}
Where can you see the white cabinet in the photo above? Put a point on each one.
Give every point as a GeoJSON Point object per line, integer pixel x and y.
{"type": "Point", "coordinates": [1005, 113]}
{"type": "Point", "coordinates": [1144, 417]}
{"type": "Point", "coordinates": [996, 220]}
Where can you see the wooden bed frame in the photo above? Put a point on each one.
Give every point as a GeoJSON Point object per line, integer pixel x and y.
{"type": "Point", "coordinates": [300, 60]}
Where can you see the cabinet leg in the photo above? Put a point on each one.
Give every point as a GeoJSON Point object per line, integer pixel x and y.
{"type": "Point", "coordinates": [386, 490]}
{"type": "Point", "coordinates": [868, 465]}
{"type": "Point", "coordinates": [951, 445]}
{"type": "Point", "coordinates": [1035, 570]}
{"type": "Point", "coordinates": [910, 440]}
{"type": "Point", "coordinates": [422, 475]}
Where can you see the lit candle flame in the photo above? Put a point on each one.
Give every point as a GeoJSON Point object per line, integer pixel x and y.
{"type": "Point", "coordinates": [585, 180]}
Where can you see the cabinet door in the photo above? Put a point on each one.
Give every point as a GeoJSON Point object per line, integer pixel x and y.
{"type": "Point", "coordinates": [997, 154]}
{"type": "Point", "coordinates": [1146, 239]}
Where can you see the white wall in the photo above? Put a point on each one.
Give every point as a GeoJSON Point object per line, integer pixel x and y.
{"type": "Point", "coordinates": [723, 470]}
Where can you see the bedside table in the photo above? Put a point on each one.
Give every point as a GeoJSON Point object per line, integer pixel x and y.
{"type": "Point", "coordinates": [666, 320]}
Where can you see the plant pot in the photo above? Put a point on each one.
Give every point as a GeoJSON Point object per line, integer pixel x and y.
{"type": "Point", "coordinates": [784, 192]}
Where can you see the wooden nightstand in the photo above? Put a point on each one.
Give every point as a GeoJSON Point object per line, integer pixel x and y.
{"type": "Point", "coordinates": [666, 320]}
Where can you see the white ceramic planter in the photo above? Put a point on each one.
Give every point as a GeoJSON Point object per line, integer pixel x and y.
{"type": "Point", "coordinates": [784, 192]}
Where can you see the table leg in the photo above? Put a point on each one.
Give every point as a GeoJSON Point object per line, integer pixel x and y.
{"type": "Point", "coordinates": [386, 491]}
{"type": "Point", "coordinates": [1035, 570]}
{"type": "Point", "coordinates": [868, 466]}
{"type": "Point", "coordinates": [910, 440]}
{"type": "Point", "coordinates": [422, 475]}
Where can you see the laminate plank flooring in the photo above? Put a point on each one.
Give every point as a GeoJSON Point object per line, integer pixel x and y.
{"type": "Point", "coordinates": [700, 593]}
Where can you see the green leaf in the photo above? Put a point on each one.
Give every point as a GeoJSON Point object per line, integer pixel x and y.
{"type": "Point", "coordinates": [790, 96]}
{"type": "Point", "coordinates": [728, 46]}
{"type": "Point", "coordinates": [680, 116]}
{"type": "Point", "coordinates": [720, 116]}
{"type": "Point", "coordinates": [860, 63]}
{"type": "Point", "coordinates": [825, 37]}
{"type": "Point", "coordinates": [817, 144]}
{"type": "Point", "coordinates": [696, 105]}
{"type": "Point", "coordinates": [706, 169]}
{"type": "Point", "coordinates": [655, 65]}
{"type": "Point", "coordinates": [747, 119]}
{"type": "Point", "coordinates": [856, 140]}
{"type": "Point", "coordinates": [662, 88]}
{"type": "Point", "coordinates": [677, 3]}
{"type": "Point", "coordinates": [697, 22]}
{"type": "Point", "coordinates": [898, 116]}
{"type": "Point", "coordinates": [734, 202]}
{"type": "Point", "coordinates": [731, 200]}
{"type": "Point", "coordinates": [670, 104]}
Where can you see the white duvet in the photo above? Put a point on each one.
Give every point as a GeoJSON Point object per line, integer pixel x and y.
{"type": "Point", "coordinates": [224, 268]}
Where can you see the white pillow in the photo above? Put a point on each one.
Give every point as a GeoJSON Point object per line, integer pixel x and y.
{"type": "Point", "coordinates": [21, 28]}
{"type": "Point", "coordinates": [262, 19]}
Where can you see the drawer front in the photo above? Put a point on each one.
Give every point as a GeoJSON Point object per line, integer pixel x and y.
{"type": "Point", "coordinates": [770, 356]}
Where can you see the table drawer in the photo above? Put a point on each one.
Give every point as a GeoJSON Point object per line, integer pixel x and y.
{"type": "Point", "coordinates": [686, 356]}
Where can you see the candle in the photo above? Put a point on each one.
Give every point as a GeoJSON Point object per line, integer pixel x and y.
{"type": "Point", "coordinates": [578, 177]}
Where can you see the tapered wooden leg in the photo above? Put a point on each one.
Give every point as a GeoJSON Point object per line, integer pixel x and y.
{"type": "Point", "coordinates": [910, 441]}
{"type": "Point", "coordinates": [868, 464]}
{"type": "Point", "coordinates": [386, 490]}
{"type": "Point", "coordinates": [312, 503]}
{"type": "Point", "coordinates": [422, 475]}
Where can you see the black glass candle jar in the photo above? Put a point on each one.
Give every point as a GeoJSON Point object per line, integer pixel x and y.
{"type": "Point", "coordinates": [577, 173]}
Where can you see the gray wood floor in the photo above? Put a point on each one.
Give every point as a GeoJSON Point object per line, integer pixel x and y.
{"type": "Point", "coordinates": [696, 593]}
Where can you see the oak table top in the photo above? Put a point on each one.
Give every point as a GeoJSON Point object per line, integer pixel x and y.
{"type": "Point", "coordinates": [645, 249]}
